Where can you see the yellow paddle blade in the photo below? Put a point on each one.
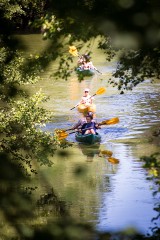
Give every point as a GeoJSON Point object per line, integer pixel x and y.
{"type": "Point", "coordinates": [60, 138]}
{"type": "Point", "coordinates": [113, 160]}
{"type": "Point", "coordinates": [73, 51]}
{"type": "Point", "coordinates": [62, 135]}
{"type": "Point", "coordinates": [110, 121]}
{"type": "Point", "coordinates": [101, 90]}
{"type": "Point", "coordinates": [107, 152]}
{"type": "Point", "coordinates": [59, 131]}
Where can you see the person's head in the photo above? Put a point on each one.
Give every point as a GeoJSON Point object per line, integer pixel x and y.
{"type": "Point", "coordinates": [86, 91]}
{"type": "Point", "coordinates": [87, 57]}
{"type": "Point", "coordinates": [90, 114]}
{"type": "Point", "coordinates": [89, 118]}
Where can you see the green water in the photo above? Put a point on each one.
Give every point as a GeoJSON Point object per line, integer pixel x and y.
{"type": "Point", "coordinates": [110, 196]}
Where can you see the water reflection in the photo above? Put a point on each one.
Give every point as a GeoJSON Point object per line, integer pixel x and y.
{"type": "Point", "coordinates": [129, 202]}
{"type": "Point", "coordinates": [90, 151]}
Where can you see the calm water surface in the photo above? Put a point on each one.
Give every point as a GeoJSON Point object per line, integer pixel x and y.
{"type": "Point", "coordinates": [112, 197]}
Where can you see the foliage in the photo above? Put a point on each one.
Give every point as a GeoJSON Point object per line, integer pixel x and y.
{"type": "Point", "coordinates": [131, 26]}
{"type": "Point", "coordinates": [134, 67]}
{"type": "Point", "coordinates": [24, 146]}
{"type": "Point", "coordinates": [49, 26]}
{"type": "Point", "coordinates": [20, 114]}
{"type": "Point", "coordinates": [20, 13]}
{"type": "Point", "coordinates": [127, 25]}
{"type": "Point", "coordinates": [18, 126]}
{"type": "Point", "coordinates": [12, 73]}
{"type": "Point", "coordinates": [152, 164]}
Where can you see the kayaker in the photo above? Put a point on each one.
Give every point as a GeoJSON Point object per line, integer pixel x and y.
{"type": "Point", "coordinates": [86, 103]}
{"type": "Point", "coordinates": [81, 60]}
{"type": "Point", "coordinates": [83, 120]}
{"type": "Point", "coordinates": [90, 126]}
{"type": "Point", "coordinates": [86, 98]}
{"type": "Point", "coordinates": [85, 63]}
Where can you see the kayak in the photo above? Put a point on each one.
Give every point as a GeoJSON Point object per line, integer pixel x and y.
{"type": "Point", "coordinates": [81, 73]}
{"type": "Point", "coordinates": [85, 72]}
{"type": "Point", "coordinates": [88, 138]}
{"type": "Point", "coordinates": [82, 108]}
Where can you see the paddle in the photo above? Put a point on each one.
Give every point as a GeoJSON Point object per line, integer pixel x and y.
{"type": "Point", "coordinates": [106, 152]}
{"type": "Point", "coordinates": [113, 160]}
{"type": "Point", "coordinates": [97, 70]}
{"type": "Point", "coordinates": [74, 52]}
{"type": "Point", "coordinates": [110, 121]}
{"type": "Point", "coordinates": [62, 133]}
{"type": "Point", "coordinates": [99, 91]}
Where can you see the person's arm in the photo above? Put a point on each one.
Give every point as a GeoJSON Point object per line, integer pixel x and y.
{"type": "Point", "coordinates": [97, 125]}
{"type": "Point", "coordinates": [76, 125]}
{"type": "Point", "coordinates": [80, 102]}
{"type": "Point", "coordinates": [90, 64]}
{"type": "Point", "coordinates": [91, 101]}
{"type": "Point", "coordinates": [83, 100]}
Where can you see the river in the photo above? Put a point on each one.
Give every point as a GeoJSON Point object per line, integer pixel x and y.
{"type": "Point", "coordinates": [110, 196]}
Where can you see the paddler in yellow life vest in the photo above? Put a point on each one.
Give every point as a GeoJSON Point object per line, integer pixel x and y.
{"type": "Point", "coordinates": [86, 103]}
{"type": "Point", "coordinates": [86, 99]}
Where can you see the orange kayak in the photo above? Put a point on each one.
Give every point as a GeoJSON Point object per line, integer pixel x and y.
{"type": "Point", "coordinates": [82, 108]}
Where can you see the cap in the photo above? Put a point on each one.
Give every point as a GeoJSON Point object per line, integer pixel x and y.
{"type": "Point", "coordinates": [86, 90]}
{"type": "Point", "coordinates": [90, 114]}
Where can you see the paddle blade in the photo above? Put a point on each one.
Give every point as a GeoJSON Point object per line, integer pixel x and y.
{"type": "Point", "coordinates": [107, 152]}
{"type": "Point", "coordinates": [59, 131]}
{"type": "Point", "coordinates": [110, 121]}
{"type": "Point", "coordinates": [73, 51]}
{"type": "Point", "coordinates": [113, 160]}
{"type": "Point", "coordinates": [101, 90]}
{"type": "Point", "coordinates": [62, 135]}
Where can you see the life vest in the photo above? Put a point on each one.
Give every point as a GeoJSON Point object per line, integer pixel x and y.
{"type": "Point", "coordinates": [87, 100]}
{"type": "Point", "coordinates": [90, 125]}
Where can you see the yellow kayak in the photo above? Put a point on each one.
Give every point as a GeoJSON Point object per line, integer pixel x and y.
{"type": "Point", "coordinates": [82, 108]}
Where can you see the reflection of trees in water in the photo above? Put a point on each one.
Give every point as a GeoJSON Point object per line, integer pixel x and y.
{"type": "Point", "coordinates": [50, 203]}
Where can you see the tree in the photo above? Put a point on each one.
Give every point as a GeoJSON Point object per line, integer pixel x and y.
{"type": "Point", "coordinates": [23, 144]}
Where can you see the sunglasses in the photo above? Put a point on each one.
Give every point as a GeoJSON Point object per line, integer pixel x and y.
{"type": "Point", "coordinates": [86, 91]}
